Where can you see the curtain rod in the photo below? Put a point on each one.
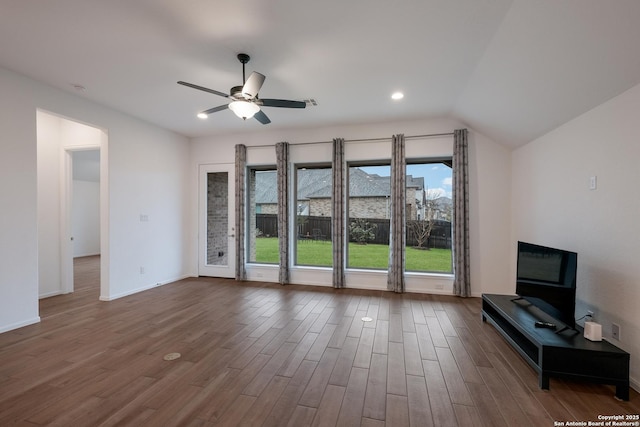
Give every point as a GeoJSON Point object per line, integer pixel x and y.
{"type": "Point", "coordinates": [428, 135]}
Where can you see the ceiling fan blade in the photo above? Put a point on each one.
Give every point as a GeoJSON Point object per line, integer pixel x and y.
{"type": "Point", "coordinates": [215, 109]}
{"type": "Point", "coordinates": [284, 103]}
{"type": "Point", "coordinates": [262, 117]}
{"type": "Point", "coordinates": [252, 85]}
{"type": "Point", "coordinates": [191, 85]}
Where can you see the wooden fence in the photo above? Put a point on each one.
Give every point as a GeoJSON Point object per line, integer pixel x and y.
{"type": "Point", "coordinates": [319, 227]}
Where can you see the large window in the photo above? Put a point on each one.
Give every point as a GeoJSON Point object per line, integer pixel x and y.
{"type": "Point", "coordinates": [313, 188]}
{"type": "Point", "coordinates": [429, 209]}
{"type": "Point", "coordinates": [428, 214]}
{"type": "Point", "coordinates": [369, 192]}
{"type": "Point", "coordinates": [262, 216]}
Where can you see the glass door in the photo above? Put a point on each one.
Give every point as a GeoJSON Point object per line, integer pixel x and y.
{"type": "Point", "coordinates": [217, 244]}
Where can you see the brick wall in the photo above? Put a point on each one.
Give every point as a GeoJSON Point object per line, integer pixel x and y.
{"type": "Point", "coordinates": [320, 207]}
{"type": "Point", "coordinates": [369, 207]}
{"type": "Point", "coordinates": [217, 218]}
{"type": "Point", "coordinates": [363, 207]}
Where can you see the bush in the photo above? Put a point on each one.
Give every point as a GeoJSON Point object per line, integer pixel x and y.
{"type": "Point", "coordinates": [360, 231]}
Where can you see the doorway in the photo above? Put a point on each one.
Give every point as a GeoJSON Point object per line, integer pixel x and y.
{"type": "Point", "coordinates": [58, 140]}
{"type": "Point", "coordinates": [85, 221]}
{"type": "Point", "coordinates": [217, 244]}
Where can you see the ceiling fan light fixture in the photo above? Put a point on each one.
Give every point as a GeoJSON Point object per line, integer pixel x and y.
{"type": "Point", "coordinates": [243, 100]}
{"type": "Point", "coordinates": [244, 109]}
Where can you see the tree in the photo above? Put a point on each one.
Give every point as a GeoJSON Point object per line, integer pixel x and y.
{"type": "Point", "coordinates": [360, 231]}
{"type": "Point", "coordinates": [422, 227]}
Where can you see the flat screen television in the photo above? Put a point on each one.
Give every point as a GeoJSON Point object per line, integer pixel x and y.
{"type": "Point", "coordinates": [546, 278]}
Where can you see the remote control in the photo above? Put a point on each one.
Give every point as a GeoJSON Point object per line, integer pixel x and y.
{"type": "Point", "coordinates": [545, 325]}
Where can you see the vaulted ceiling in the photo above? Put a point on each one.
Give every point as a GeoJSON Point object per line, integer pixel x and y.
{"type": "Point", "coordinates": [513, 70]}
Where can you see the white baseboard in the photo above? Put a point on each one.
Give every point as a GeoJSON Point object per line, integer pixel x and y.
{"type": "Point", "coordinates": [49, 294]}
{"type": "Point", "coordinates": [22, 324]}
{"type": "Point", "coordinates": [142, 289]}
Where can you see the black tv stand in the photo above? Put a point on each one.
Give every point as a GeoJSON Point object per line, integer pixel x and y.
{"type": "Point", "coordinates": [565, 328]}
{"type": "Point", "coordinates": [552, 354]}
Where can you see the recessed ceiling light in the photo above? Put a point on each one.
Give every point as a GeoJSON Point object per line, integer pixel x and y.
{"type": "Point", "coordinates": [397, 95]}
{"type": "Point", "coordinates": [202, 116]}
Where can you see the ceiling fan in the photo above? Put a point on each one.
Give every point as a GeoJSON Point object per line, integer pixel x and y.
{"type": "Point", "coordinates": [244, 99]}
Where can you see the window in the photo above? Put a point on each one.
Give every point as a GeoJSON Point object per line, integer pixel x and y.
{"type": "Point", "coordinates": [262, 216]}
{"type": "Point", "coordinates": [429, 210]}
{"type": "Point", "coordinates": [313, 186]}
{"type": "Point", "coordinates": [369, 190]}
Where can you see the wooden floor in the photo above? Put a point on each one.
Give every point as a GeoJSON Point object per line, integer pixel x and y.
{"type": "Point", "coordinates": [258, 354]}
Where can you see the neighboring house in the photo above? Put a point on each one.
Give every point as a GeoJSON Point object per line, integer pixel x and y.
{"type": "Point", "coordinates": [368, 194]}
{"type": "Point", "coordinates": [440, 208]}
{"type": "Point", "coordinates": [265, 192]}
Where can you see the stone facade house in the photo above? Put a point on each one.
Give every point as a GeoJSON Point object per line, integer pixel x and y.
{"type": "Point", "coordinates": [368, 194]}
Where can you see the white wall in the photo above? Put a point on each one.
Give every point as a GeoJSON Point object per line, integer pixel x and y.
{"type": "Point", "coordinates": [49, 203]}
{"type": "Point", "coordinates": [553, 206]}
{"type": "Point", "coordinates": [148, 173]}
{"type": "Point", "coordinates": [18, 220]}
{"type": "Point", "coordinates": [148, 177]}
{"type": "Point", "coordinates": [85, 218]}
{"type": "Point", "coordinates": [490, 195]}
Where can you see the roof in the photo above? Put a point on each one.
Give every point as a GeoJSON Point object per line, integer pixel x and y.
{"type": "Point", "coordinates": [317, 184]}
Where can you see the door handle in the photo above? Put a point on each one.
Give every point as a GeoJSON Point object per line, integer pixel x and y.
{"type": "Point", "coordinates": [232, 235]}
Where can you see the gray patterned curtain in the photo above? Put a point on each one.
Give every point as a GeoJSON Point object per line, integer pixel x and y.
{"type": "Point", "coordinates": [461, 268]}
{"type": "Point", "coordinates": [282, 166]}
{"type": "Point", "coordinates": [397, 231]}
{"type": "Point", "coordinates": [241, 168]}
{"type": "Point", "coordinates": [338, 212]}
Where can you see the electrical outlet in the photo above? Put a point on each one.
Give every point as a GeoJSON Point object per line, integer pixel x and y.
{"type": "Point", "coordinates": [615, 331]}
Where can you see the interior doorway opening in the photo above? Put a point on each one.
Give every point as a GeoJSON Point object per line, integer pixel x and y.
{"type": "Point", "coordinates": [85, 221]}
{"type": "Point", "coordinates": [72, 204]}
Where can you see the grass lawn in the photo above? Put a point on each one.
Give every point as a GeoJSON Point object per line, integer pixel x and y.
{"type": "Point", "coordinates": [319, 253]}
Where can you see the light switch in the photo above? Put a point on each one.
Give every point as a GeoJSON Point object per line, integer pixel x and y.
{"type": "Point", "coordinates": [593, 182]}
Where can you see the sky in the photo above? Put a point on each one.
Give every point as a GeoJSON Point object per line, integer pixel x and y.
{"type": "Point", "coordinates": [437, 176]}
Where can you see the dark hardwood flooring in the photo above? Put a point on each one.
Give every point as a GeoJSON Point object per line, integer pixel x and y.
{"type": "Point", "coordinates": [259, 354]}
